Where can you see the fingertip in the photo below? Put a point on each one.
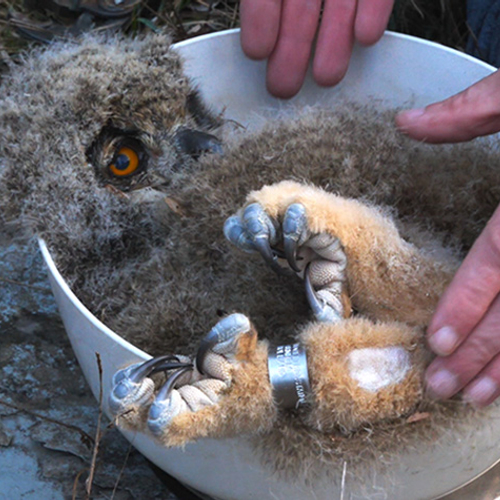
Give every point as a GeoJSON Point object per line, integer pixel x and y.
{"type": "Point", "coordinates": [282, 89]}
{"type": "Point", "coordinates": [286, 73]}
{"type": "Point", "coordinates": [371, 20]}
{"type": "Point", "coordinates": [481, 392]}
{"type": "Point", "coordinates": [330, 64]}
{"type": "Point", "coordinates": [329, 78]}
{"type": "Point", "coordinates": [367, 36]}
{"type": "Point", "coordinates": [282, 86]}
{"type": "Point", "coordinates": [407, 119]}
{"type": "Point", "coordinates": [441, 384]}
{"type": "Point", "coordinates": [256, 48]}
{"type": "Point", "coordinates": [416, 123]}
{"type": "Point", "coordinates": [260, 23]}
{"type": "Point", "coordinates": [471, 113]}
{"type": "Point", "coordinates": [444, 341]}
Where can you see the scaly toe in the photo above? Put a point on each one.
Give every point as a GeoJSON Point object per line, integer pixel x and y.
{"type": "Point", "coordinates": [262, 232]}
{"type": "Point", "coordinates": [167, 404]}
{"type": "Point", "coordinates": [132, 386]}
{"type": "Point", "coordinates": [222, 337]}
{"type": "Point", "coordinates": [235, 233]}
{"type": "Point", "coordinates": [325, 306]}
{"type": "Point", "coordinates": [295, 232]}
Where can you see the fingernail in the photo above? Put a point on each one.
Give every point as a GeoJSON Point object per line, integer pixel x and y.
{"type": "Point", "coordinates": [481, 392]}
{"type": "Point", "coordinates": [442, 384]}
{"type": "Point", "coordinates": [444, 341]}
{"type": "Point", "coordinates": [411, 114]}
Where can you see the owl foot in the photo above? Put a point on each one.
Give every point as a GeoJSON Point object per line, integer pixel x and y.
{"type": "Point", "coordinates": [189, 389]}
{"type": "Point", "coordinates": [317, 257]}
{"type": "Point", "coordinates": [133, 387]}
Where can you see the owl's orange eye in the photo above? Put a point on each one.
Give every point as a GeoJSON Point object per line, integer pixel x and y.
{"type": "Point", "coordinates": [126, 162]}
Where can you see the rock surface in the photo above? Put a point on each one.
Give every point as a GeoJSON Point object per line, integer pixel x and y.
{"type": "Point", "coordinates": [48, 416]}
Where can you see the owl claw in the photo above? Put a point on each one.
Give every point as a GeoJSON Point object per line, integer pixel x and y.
{"type": "Point", "coordinates": [321, 255]}
{"type": "Point", "coordinates": [295, 230]}
{"type": "Point", "coordinates": [322, 309]}
{"type": "Point", "coordinates": [223, 333]}
{"type": "Point", "coordinates": [132, 385]}
{"type": "Point", "coordinates": [164, 407]}
{"type": "Point", "coordinates": [212, 375]}
{"type": "Point", "coordinates": [187, 389]}
{"type": "Point", "coordinates": [255, 231]}
{"type": "Point", "coordinates": [264, 248]}
{"type": "Point", "coordinates": [191, 386]}
{"type": "Point", "coordinates": [154, 365]}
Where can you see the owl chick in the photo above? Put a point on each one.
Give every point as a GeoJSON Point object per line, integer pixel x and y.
{"type": "Point", "coordinates": [109, 154]}
{"type": "Point", "coordinates": [119, 111]}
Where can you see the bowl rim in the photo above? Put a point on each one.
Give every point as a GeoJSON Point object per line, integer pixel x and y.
{"type": "Point", "coordinates": [387, 33]}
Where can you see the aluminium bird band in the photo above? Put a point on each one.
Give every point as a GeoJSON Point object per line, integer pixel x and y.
{"type": "Point", "coordinates": [289, 376]}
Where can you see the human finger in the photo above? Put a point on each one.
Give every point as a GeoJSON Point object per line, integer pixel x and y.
{"type": "Point", "coordinates": [472, 113]}
{"type": "Point", "coordinates": [470, 294]}
{"type": "Point", "coordinates": [448, 375]}
{"type": "Point", "coordinates": [485, 388]}
{"type": "Point", "coordinates": [260, 23]}
{"type": "Point", "coordinates": [371, 20]}
{"type": "Point", "coordinates": [287, 64]}
{"type": "Point", "coordinates": [335, 42]}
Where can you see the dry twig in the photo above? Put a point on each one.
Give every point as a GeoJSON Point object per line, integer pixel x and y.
{"type": "Point", "coordinates": [75, 484]}
{"type": "Point", "coordinates": [121, 472]}
{"type": "Point", "coordinates": [90, 479]}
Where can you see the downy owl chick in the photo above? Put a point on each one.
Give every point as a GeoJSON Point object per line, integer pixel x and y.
{"type": "Point", "coordinates": [110, 155]}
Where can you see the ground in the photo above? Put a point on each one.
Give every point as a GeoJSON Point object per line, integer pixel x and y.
{"type": "Point", "coordinates": [48, 416]}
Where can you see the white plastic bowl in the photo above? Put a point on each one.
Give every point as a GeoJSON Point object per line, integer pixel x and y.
{"type": "Point", "coordinates": [397, 71]}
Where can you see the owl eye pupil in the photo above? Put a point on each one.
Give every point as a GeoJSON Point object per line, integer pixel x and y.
{"type": "Point", "coordinates": [127, 161]}
{"type": "Point", "coordinates": [122, 162]}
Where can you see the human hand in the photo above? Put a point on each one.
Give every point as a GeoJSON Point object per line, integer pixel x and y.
{"type": "Point", "coordinates": [472, 113]}
{"type": "Point", "coordinates": [284, 32]}
{"type": "Point", "coordinates": [465, 329]}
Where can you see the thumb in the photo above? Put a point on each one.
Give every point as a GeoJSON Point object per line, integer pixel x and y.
{"type": "Point", "coordinates": [472, 113]}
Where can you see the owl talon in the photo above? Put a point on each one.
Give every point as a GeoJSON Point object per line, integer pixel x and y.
{"type": "Point", "coordinates": [212, 376]}
{"type": "Point", "coordinates": [295, 231]}
{"type": "Point", "coordinates": [222, 335]}
{"type": "Point", "coordinates": [254, 231]}
{"type": "Point", "coordinates": [264, 248]}
{"type": "Point", "coordinates": [322, 308]}
{"type": "Point", "coordinates": [318, 257]}
{"type": "Point", "coordinates": [132, 385]}
{"type": "Point", "coordinates": [164, 406]}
